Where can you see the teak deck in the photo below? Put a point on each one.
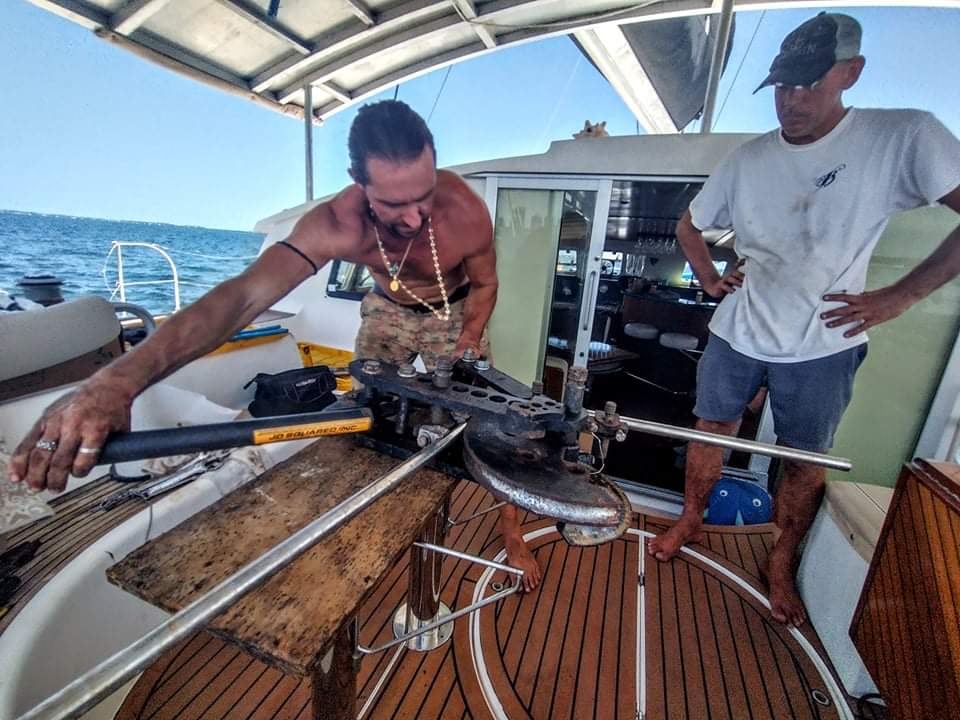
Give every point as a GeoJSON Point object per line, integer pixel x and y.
{"type": "Point", "coordinates": [609, 634]}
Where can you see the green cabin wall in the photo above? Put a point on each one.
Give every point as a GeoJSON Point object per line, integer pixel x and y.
{"type": "Point", "coordinates": [896, 384]}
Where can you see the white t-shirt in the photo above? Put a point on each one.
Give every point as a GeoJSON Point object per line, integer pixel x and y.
{"type": "Point", "coordinates": [807, 218]}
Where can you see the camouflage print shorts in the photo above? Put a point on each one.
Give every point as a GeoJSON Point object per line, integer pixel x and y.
{"type": "Point", "coordinates": [396, 334]}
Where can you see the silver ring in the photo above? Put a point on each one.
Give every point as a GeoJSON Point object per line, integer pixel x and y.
{"type": "Point", "coordinates": [48, 445]}
{"type": "Point", "coordinates": [88, 451]}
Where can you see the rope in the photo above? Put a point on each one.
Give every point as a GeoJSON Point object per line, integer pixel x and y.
{"type": "Point", "coordinates": [739, 67]}
{"type": "Point", "coordinates": [439, 92]}
{"type": "Point", "coordinates": [560, 98]}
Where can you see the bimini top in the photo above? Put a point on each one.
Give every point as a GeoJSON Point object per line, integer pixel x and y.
{"type": "Point", "coordinates": [346, 50]}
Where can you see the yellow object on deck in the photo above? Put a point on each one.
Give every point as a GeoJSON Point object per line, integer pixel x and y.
{"type": "Point", "coordinates": [312, 354]}
{"type": "Point", "coordinates": [244, 343]}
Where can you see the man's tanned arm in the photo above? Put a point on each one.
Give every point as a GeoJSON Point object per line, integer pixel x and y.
{"type": "Point", "coordinates": [871, 308]}
{"type": "Point", "coordinates": [101, 405]}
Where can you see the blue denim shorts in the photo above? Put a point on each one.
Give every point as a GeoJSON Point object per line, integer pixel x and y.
{"type": "Point", "coordinates": [807, 398]}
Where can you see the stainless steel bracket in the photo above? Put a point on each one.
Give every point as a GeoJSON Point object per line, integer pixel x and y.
{"type": "Point", "coordinates": [473, 607]}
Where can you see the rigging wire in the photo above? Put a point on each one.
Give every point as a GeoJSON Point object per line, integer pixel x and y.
{"type": "Point", "coordinates": [439, 92]}
{"type": "Point", "coordinates": [560, 98]}
{"type": "Point", "coordinates": [739, 67]}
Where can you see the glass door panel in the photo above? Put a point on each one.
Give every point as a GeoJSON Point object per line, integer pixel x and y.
{"type": "Point", "coordinates": [549, 241]}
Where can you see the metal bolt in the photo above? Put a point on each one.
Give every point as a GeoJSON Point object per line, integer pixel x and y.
{"type": "Point", "coordinates": [483, 364]}
{"type": "Point", "coordinates": [469, 355]}
{"type": "Point", "coordinates": [578, 375]}
{"type": "Point", "coordinates": [537, 387]}
{"type": "Point", "coordinates": [443, 373]}
{"type": "Point", "coordinates": [406, 370]}
{"type": "Point", "coordinates": [371, 367]}
{"type": "Point", "coordinates": [610, 407]}
{"type": "Point", "coordinates": [621, 435]}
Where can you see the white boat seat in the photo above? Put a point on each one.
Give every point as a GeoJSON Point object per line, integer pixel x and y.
{"type": "Point", "coordinates": [679, 341]}
{"type": "Point", "coordinates": [84, 329]}
{"type": "Point", "coordinates": [859, 510]}
{"type": "Point", "coordinates": [641, 331]}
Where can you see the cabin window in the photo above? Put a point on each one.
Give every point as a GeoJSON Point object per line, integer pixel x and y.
{"type": "Point", "coordinates": [349, 280]}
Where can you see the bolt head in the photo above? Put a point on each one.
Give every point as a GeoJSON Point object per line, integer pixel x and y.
{"type": "Point", "coordinates": [483, 364]}
{"type": "Point", "coordinates": [610, 407]}
{"type": "Point", "coordinates": [469, 355]}
{"type": "Point", "coordinates": [621, 435]}
{"type": "Point", "coordinates": [406, 370]}
{"type": "Point", "coordinates": [371, 367]}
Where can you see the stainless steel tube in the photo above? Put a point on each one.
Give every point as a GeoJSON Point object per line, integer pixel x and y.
{"type": "Point", "coordinates": [722, 35]}
{"type": "Point", "coordinates": [84, 692]}
{"type": "Point", "coordinates": [751, 446]}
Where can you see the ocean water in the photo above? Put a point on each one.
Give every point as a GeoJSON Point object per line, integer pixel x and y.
{"type": "Point", "coordinates": [76, 250]}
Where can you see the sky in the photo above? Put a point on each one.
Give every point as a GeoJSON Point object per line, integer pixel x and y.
{"type": "Point", "coordinates": [88, 129]}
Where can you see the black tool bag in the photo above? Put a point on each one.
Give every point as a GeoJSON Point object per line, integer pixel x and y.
{"type": "Point", "coordinates": [293, 391]}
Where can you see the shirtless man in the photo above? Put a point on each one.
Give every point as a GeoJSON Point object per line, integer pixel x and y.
{"type": "Point", "coordinates": [428, 242]}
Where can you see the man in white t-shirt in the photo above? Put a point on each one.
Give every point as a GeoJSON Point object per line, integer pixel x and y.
{"type": "Point", "coordinates": [808, 203]}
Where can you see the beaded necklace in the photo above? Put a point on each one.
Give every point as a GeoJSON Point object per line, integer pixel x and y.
{"type": "Point", "coordinates": [396, 283]}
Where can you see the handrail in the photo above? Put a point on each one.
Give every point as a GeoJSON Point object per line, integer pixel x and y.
{"type": "Point", "coordinates": [116, 247]}
{"type": "Point", "coordinates": [734, 443]}
{"type": "Point", "coordinates": [87, 690]}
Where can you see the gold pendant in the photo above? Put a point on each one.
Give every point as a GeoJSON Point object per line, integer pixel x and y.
{"type": "Point", "coordinates": [394, 285]}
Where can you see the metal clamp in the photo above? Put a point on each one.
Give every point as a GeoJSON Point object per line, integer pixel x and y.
{"type": "Point", "coordinates": [423, 629]}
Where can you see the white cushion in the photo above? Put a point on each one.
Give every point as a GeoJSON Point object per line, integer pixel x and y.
{"type": "Point", "coordinates": [38, 339]}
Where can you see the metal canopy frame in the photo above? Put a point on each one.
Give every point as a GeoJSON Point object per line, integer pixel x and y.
{"type": "Point", "coordinates": [348, 50]}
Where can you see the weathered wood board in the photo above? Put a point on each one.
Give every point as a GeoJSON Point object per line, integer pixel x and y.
{"type": "Point", "coordinates": [291, 619]}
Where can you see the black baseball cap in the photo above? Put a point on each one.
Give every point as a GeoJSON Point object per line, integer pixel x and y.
{"type": "Point", "coordinates": [808, 53]}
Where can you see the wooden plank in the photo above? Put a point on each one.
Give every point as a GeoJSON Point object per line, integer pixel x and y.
{"type": "Point", "coordinates": [753, 675]}
{"type": "Point", "coordinates": [675, 693]}
{"type": "Point", "coordinates": [735, 693]}
{"type": "Point", "coordinates": [615, 634]}
{"type": "Point", "coordinates": [711, 661]}
{"type": "Point", "coordinates": [594, 638]}
{"type": "Point", "coordinates": [905, 626]}
{"type": "Point", "coordinates": [692, 677]}
{"type": "Point", "coordinates": [548, 643]}
{"type": "Point", "coordinates": [286, 621]}
{"type": "Point", "coordinates": [936, 586]}
{"type": "Point", "coordinates": [626, 695]}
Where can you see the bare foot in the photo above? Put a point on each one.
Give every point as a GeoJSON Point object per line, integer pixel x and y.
{"type": "Point", "coordinates": [666, 546]}
{"type": "Point", "coordinates": [785, 604]}
{"type": "Point", "coordinates": [520, 557]}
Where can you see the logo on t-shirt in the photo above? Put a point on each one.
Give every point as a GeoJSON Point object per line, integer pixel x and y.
{"type": "Point", "coordinates": [827, 178]}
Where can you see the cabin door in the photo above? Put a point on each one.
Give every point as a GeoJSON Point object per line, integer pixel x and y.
{"type": "Point", "coordinates": [549, 235]}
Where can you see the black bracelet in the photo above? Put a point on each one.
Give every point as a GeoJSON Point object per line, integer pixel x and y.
{"type": "Point", "coordinates": [301, 254]}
